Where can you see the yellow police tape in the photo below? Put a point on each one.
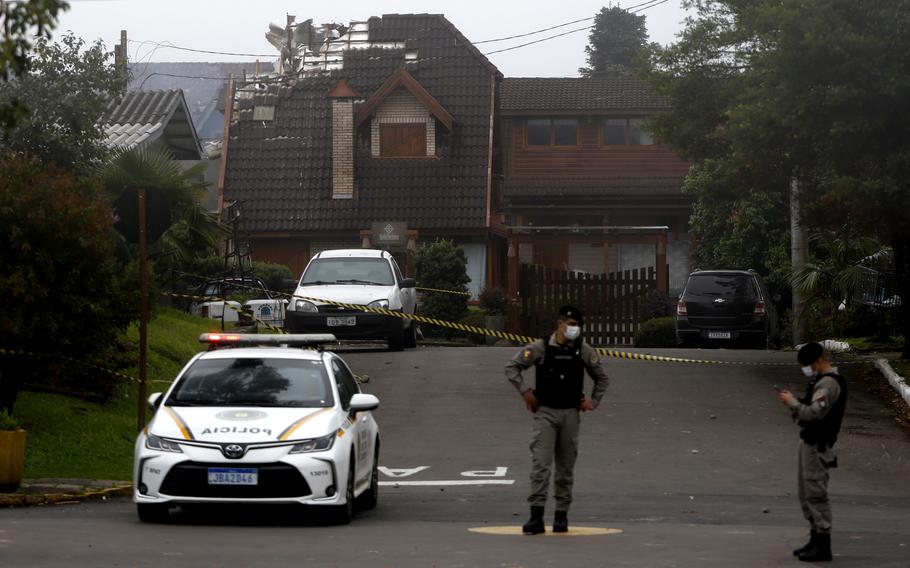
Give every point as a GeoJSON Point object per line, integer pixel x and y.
{"type": "Point", "coordinates": [453, 292]}
{"type": "Point", "coordinates": [502, 334]}
{"type": "Point", "coordinates": [57, 356]}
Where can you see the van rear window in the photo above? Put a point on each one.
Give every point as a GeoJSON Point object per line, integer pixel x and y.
{"type": "Point", "coordinates": [721, 285]}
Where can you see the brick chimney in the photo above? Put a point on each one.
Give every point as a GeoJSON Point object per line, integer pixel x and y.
{"type": "Point", "coordinates": [342, 96]}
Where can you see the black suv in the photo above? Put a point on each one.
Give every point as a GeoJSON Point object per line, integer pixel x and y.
{"type": "Point", "coordinates": [725, 307]}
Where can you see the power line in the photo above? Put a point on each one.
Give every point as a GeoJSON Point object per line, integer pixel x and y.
{"type": "Point", "coordinates": [169, 45]}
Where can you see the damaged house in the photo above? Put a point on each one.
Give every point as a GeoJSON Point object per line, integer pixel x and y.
{"type": "Point", "coordinates": [380, 134]}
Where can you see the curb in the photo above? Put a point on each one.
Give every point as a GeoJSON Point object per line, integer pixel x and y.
{"type": "Point", "coordinates": [30, 500]}
{"type": "Point", "coordinates": [897, 382]}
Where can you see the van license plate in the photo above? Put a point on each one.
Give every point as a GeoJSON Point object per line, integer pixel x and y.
{"type": "Point", "coordinates": [339, 322]}
{"type": "Point", "coordinates": [718, 335]}
{"type": "Point", "coordinates": [233, 476]}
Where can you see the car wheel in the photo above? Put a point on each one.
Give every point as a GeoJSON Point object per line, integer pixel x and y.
{"type": "Point", "coordinates": [370, 498]}
{"type": "Point", "coordinates": [397, 340]}
{"type": "Point", "coordinates": [410, 336]}
{"type": "Point", "coordinates": [344, 513]}
{"type": "Point", "coordinates": [153, 512]}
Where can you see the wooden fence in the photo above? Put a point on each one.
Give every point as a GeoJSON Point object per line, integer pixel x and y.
{"type": "Point", "coordinates": [611, 303]}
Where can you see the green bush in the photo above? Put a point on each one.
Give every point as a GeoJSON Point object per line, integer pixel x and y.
{"type": "Point", "coordinates": [476, 318]}
{"type": "Point", "coordinates": [658, 332]}
{"type": "Point", "coordinates": [7, 422]}
{"type": "Point", "coordinates": [443, 265]}
{"type": "Point", "coordinates": [494, 301]}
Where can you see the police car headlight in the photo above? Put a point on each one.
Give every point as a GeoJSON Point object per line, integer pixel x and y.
{"type": "Point", "coordinates": [384, 304]}
{"type": "Point", "coordinates": [155, 443]}
{"type": "Point", "coordinates": [314, 445]}
{"type": "Point", "coordinates": [304, 306]}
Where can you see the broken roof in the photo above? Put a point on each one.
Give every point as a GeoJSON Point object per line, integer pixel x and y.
{"type": "Point", "coordinates": [520, 95]}
{"type": "Point", "coordinates": [281, 170]}
{"type": "Point", "coordinates": [144, 117]}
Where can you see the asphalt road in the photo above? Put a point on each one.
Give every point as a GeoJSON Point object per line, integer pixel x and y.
{"type": "Point", "coordinates": [696, 465]}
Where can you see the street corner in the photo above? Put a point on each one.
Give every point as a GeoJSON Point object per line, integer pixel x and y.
{"type": "Point", "coordinates": [37, 492]}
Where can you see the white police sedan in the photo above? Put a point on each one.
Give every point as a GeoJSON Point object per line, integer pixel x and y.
{"type": "Point", "coordinates": [263, 420]}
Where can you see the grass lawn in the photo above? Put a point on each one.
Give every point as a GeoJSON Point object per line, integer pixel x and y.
{"type": "Point", "coordinates": [68, 437]}
{"type": "Point", "coordinates": [901, 367]}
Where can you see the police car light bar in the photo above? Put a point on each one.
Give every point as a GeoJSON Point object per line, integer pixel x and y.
{"type": "Point", "coordinates": [275, 339]}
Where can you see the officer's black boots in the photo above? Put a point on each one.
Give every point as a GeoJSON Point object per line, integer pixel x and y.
{"type": "Point", "coordinates": [561, 522]}
{"type": "Point", "coordinates": [807, 546]}
{"type": "Point", "coordinates": [820, 551]}
{"type": "Point", "coordinates": [535, 523]}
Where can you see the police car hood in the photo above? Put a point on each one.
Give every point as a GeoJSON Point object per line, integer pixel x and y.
{"type": "Point", "coordinates": [360, 294]}
{"type": "Point", "coordinates": [242, 424]}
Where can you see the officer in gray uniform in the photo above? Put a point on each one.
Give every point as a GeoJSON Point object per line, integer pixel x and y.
{"type": "Point", "coordinates": [558, 396]}
{"type": "Point", "coordinates": [819, 414]}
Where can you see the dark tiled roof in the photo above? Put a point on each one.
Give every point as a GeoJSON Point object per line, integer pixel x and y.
{"type": "Point", "coordinates": [143, 117]}
{"type": "Point", "coordinates": [281, 171]}
{"type": "Point", "coordinates": [577, 94]}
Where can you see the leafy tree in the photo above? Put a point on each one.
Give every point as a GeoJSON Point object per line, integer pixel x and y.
{"type": "Point", "coordinates": [813, 90]}
{"type": "Point", "coordinates": [65, 294]}
{"type": "Point", "coordinates": [67, 88]}
{"type": "Point", "coordinates": [443, 265]}
{"type": "Point", "coordinates": [617, 44]}
{"type": "Point", "coordinates": [21, 23]}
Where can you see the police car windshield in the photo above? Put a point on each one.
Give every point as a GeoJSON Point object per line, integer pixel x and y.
{"type": "Point", "coordinates": [254, 382]}
{"type": "Point", "coordinates": [370, 271]}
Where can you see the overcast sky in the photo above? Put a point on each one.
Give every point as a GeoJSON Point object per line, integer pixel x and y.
{"type": "Point", "coordinates": [240, 26]}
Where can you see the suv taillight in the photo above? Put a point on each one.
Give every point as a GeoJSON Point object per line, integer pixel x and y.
{"type": "Point", "coordinates": [681, 309]}
{"type": "Point", "coordinates": [759, 311]}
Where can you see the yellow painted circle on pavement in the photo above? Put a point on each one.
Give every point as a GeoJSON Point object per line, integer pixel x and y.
{"type": "Point", "coordinates": [512, 530]}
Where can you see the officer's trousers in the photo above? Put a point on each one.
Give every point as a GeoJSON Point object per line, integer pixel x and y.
{"type": "Point", "coordinates": [813, 486]}
{"type": "Point", "coordinates": [555, 436]}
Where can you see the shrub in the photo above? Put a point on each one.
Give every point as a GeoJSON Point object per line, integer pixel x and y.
{"type": "Point", "coordinates": [656, 304]}
{"type": "Point", "coordinates": [475, 318]}
{"type": "Point", "coordinates": [7, 421]}
{"type": "Point", "coordinates": [494, 301]}
{"type": "Point", "coordinates": [658, 332]}
{"type": "Point", "coordinates": [443, 265]}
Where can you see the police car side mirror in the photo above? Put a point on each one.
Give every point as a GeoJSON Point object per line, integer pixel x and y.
{"type": "Point", "coordinates": [364, 402]}
{"type": "Point", "coordinates": [155, 400]}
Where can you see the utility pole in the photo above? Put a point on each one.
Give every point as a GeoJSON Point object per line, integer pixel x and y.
{"type": "Point", "coordinates": [799, 256]}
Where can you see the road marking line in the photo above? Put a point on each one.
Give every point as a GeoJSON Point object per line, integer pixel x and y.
{"type": "Point", "coordinates": [574, 530]}
{"type": "Point", "coordinates": [451, 482]}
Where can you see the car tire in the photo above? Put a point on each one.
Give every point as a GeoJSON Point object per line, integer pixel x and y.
{"type": "Point", "coordinates": [397, 341]}
{"type": "Point", "coordinates": [342, 514]}
{"type": "Point", "coordinates": [370, 498]}
{"type": "Point", "coordinates": [410, 336]}
{"type": "Point", "coordinates": [157, 513]}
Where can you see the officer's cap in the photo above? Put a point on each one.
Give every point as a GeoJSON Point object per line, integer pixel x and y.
{"type": "Point", "coordinates": [810, 353]}
{"type": "Point", "coordinates": [573, 313]}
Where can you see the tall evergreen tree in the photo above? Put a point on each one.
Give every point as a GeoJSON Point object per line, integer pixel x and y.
{"type": "Point", "coordinates": [616, 45]}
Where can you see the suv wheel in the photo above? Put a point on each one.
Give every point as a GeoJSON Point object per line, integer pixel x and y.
{"type": "Point", "coordinates": [410, 336]}
{"type": "Point", "coordinates": [397, 341]}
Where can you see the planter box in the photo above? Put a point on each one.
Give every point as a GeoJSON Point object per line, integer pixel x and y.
{"type": "Point", "coordinates": [12, 458]}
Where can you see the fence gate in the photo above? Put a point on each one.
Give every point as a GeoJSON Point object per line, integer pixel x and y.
{"type": "Point", "coordinates": [611, 303]}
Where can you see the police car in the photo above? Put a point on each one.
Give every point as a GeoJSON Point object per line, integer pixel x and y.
{"type": "Point", "coordinates": [266, 420]}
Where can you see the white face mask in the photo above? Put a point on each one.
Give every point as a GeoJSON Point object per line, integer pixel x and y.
{"type": "Point", "coordinates": [572, 332]}
{"type": "Point", "coordinates": [808, 371]}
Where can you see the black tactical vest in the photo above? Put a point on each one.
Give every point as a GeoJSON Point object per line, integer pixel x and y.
{"type": "Point", "coordinates": [561, 376]}
{"type": "Point", "coordinates": [823, 433]}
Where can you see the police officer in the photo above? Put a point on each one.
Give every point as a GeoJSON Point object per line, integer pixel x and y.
{"type": "Point", "coordinates": [560, 361]}
{"type": "Point", "coordinates": [819, 414]}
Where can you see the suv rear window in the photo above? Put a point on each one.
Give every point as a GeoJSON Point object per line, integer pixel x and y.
{"type": "Point", "coordinates": [721, 285]}
{"type": "Point", "coordinates": [374, 271]}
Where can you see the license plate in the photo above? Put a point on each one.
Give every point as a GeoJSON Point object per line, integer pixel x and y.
{"type": "Point", "coordinates": [718, 335]}
{"type": "Point", "coordinates": [342, 321]}
{"type": "Point", "coordinates": [233, 476]}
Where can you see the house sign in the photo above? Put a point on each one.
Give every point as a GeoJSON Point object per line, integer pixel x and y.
{"type": "Point", "coordinates": [390, 235]}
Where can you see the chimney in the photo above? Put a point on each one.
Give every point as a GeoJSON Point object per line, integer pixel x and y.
{"type": "Point", "coordinates": [342, 140]}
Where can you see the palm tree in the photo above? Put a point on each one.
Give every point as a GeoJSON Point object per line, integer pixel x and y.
{"type": "Point", "coordinates": [193, 231]}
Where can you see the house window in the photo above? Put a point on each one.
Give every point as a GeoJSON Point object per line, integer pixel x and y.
{"type": "Point", "coordinates": [625, 131]}
{"type": "Point", "coordinates": [407, 140]}
{"type": "Point", "coordinates": [552, 132]}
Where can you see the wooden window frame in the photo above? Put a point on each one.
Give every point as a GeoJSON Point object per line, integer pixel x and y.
{"type": "Point", "coordinates": [627, 145]}
{"type": "Point", "coordinates": [423, 156]}
{"type": "Point", "coordinates": [552, 146]}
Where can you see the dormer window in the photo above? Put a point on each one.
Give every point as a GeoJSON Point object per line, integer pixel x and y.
{"type": "Point", "coordinates": [403, 118]}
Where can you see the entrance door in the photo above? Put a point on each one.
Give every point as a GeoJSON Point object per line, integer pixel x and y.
{"type": "Point", "coordinates": [552, 255]}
